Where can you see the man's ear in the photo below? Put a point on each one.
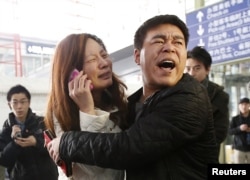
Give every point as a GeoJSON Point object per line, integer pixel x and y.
{"type": "Point", "coordinates": [9, 106]}
{"type": "Point", "coordinates": [208, 70]}
{"type": "Point", "coordinates": [137, 56]}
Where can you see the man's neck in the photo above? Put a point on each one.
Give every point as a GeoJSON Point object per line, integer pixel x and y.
{"type": "Point", "coordinates": [147, 92]}
{"type": "Point", "coordinates": [246, 114]}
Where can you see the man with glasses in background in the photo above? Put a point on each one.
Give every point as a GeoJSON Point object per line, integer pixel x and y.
{"type": "Point", "coordinates": [198, 65]}
{"type": "Point", "coordinates": [22, 149]}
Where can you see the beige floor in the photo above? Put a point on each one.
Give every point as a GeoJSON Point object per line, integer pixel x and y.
{"type": "Point", "coordinates": [228, 154]}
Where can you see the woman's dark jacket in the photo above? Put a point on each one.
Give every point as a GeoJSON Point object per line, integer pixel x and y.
{"type": "Point", "coordinates": [172, 137]}
{"type": "Point", "coordinates": [26, 163]}
{"type": "Point", "coordinates": [240, 137]}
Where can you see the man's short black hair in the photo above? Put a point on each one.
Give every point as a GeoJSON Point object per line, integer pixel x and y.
{"type": "Point", "coordinates": [244, 100]}
{"type": "Point", "coordinates": [156, 21]}
{"type": "Point", "coordinates": [202, 55]}
{"type": "Point", "coordinates": [16, 90]}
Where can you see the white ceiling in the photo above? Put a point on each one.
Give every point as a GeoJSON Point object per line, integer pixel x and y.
{"type": "Point", "coordinates": [115, 21]}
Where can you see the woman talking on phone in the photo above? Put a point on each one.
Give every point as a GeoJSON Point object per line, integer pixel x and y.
{"type": "Point", "coordinates": [85, 95]}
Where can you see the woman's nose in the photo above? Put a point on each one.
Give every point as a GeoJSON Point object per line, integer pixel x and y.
{"type": "Point", "coordinates": [103, 62]}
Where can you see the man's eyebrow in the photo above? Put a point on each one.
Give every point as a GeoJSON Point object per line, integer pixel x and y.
{"type": "Point", "coordinates": [198, 65]}
{"type": "Point", "coordinates": [159, 36]}
{"type": "Point", "coordinates": [178, 37]}
{"type": "Point", "coordinates": [165, 37]}
{"type": "Point", "coordinates": [23, 99]}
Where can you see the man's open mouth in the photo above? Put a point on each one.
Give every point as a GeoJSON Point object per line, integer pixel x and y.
{"type": "Point", "coordinates": [167, 64]}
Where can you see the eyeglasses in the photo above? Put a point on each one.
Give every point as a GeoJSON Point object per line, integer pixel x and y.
{"type": "Point", "coordinates": [22, 102]}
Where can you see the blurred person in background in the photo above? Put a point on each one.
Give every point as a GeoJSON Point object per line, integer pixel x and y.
{"type": "Point", "coordinates": [240, 129]}
{"type": "Point", "coordinates": [171, 136]}
{"type": "Point", "coordinates": [94, 100]}
{"type": "Point", "coordinates": [21, 140]}
{"type": "Point", "coordinates": [198, 65]}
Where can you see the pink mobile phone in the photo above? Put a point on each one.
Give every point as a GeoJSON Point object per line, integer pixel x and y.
{"type": "Point", "coordinates": [66, 167]}
{"type": "Point", "coordinates": [48, 136]}
{"type": "Point", "coordinates": [74, 73]}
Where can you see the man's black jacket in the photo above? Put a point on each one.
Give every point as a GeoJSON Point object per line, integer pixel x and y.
{"type": "Point", "coordinates": [172, 138]}
{"type": "Point", "coordinates": [239, 137]}
{"type": "Point", "coordinates": [26, 163]}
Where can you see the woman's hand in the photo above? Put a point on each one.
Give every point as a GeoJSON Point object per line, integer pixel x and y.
{"type": "Point", "coordinates": [80, 92]}
{"type": "Point", "coordinates": [53, 149]}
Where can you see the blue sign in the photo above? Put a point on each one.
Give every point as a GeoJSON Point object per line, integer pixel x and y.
{"type": "Point", "coordinates": [223, 29]}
